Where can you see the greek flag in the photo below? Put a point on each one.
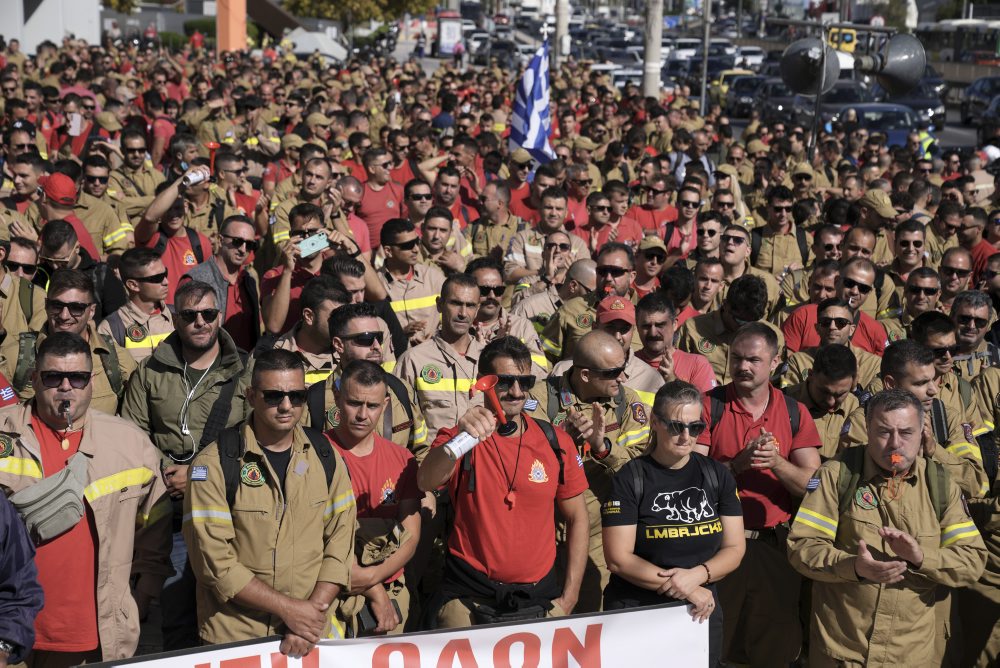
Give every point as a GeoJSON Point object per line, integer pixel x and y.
{"type": "Point", "coordinates": [529, 128]}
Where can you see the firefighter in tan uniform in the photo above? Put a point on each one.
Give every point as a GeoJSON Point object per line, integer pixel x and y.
{"type": "Point", "coordinates": [541, 306]}
{"type": "Point", "coordinates": [134, 183]}
{"type": "Point", "coordinates": [734, 253]}
{"type": "Point", "coordinates": [144, 321]}
{"type": "Point", "coordinates": [279, 568]}
{"type": "Point", "coordinates": [711, 334]}
{"type": "Point", "coordinates": [22, 306]}
{"type": "Point", "coordinates": [492, 233]}
{"type": "Point", "coordinates": [310, 336]}
{"type": "Point", "coordinates": [107, 226]}
{"type": "Point", "coordinates": [879, 532]}
{"type": "Point", "coordinates": [610, 426]}
{"type": "Point", "coordinates": [122, 490]}
{"type": "Point", "coordinates": [827, 394]}
{"type": "Point", "coordinates": [413, 288]}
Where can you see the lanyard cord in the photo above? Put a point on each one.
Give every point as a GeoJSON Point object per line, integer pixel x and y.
{"type": "Point", "coordinates": [185, 407]}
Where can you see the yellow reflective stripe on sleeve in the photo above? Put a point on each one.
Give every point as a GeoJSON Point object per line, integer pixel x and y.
{"type": "Point", "coordinates": [209, 515]}
{"type": "Point", "coordinates": [252, 141]}
{"type": "Point", "coordinates": [117, 482]}
{"type": "Point", "coordinates": [551, 347]}
{"type": "Point", "coordinates": [817, 521]}
{"type": "Point", "coordinates": [634, 436]}
{"type": "Point", "coordinates": [960, 449]}
{"type": "Point", "coordinates": [466, 251]}
{"type": "Point", "coordinates": [160, 510]}
{"type": "Point", "coordinates": [339, 504]}
{"type": "Point", "coordinates": [150, 341]}
{"type": "Point", "coordinates": [645, 397]}
{"type": "Point", "coordinates": [989, 425]}
{"type": "Point", "coordinates": [117, 235]}
{"type": "Point", "coordinates": [445, 385]}
{"type": "Point", "coordinates": [281, 236]}
{"type": "Point", "coordinates": [21, 466]}
{"type": "Point", "coordinates": [957, 532]}
{"type": "Point", "coordinates": [985, 489]}
{"type": "Point", "coordinates": [541, 360]}
{"type": "Point", "coordinates": [389, 366]}
{"type": "Point", "coordinates": [317, 375]}
{"type": "Point", "coordinates": [982, 430]}
{"type": "Point", "coordinates": [337, 629]}
{"type": "Point", "coordinates": [407, 305]}
{"type": "Point", "coordinates": [420, 433]}
{"type": "Point", "coordinates": [274, 140]}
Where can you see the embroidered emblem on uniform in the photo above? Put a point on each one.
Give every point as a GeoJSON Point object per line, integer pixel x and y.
{"type": "Point", "coordinates": [189, 258]}
{"type": "Point", "coordinates": [558, 419]}
{"type": "Point", "coordinates": [705, 346]}
{"type": "Point", "coordinates": [199, 473]}
{"type": "Point", "coordinates": [388, 494]}
{"type": "Point", "coordinates": [967, 430]}
{"type": "Point", "coordinates": [812, 485]}
{"type": "Point", "coordinates": [7, 393]}
{"type": "Point", "coordinates": [6, 445]}
{"type": "Point", "coordinates": [579, 461]}
{"type": "Point", "coordinates": [136, 333]}
{"type": "Point", "coordinates": [585, 320]}
{"type": "Point", "coordinates": [531, 404]}
{"type": "Point", "coordinates": [565, 397]}
{"type": "Point", "coordinates": [251, 475]}
{"type": "Point", "coordinates": [537, 473]}
{"type": "Point", "coordinates": [865, 498]}
{"type": "Point", "coordinates": [639, 413]}
{"type": "Point", "coordinates": [389, 204]}
{"type": "Point", "coordinates": [431, 374]}
{"type": "Point", "coordinates": [333, 417]}
{"type": "Point", "coordinates": [893, 335]}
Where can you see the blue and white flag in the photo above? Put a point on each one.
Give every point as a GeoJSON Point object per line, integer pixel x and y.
{"type": "Point", "coordinates": [530, 125]}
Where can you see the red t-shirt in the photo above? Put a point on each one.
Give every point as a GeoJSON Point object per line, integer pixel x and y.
{"type": "Point", "coordinates": [511, 544]}
{"type": "Point", "coordinates": [518, 195]}
{"type": "Point", "coordinates": [300, 277]}
{"type": "Point", "coordinates": [355, 169]}
{"type": "Point", "coordinates": [765, 500]}
{"type": "Point", "coordinates": [651, 219]}
{"type": "Point", "coordinates": [66, 564]}
{"type": "Point", "coordinates": [247, 202]}
{"type": "Point", "coordinates": [381, 480]}
{"type": "Point", "coordinates": [238, 322]}
{"type": "Point", "coordinates": [577, 211]}
{"type": "Point", "coordinates": [276, 172]}
{"type": "Point", "coordinates": [360, 231]}
{"type": "Point", "coordinates": [800, 331]}
{"type": "Point", "coordinates": [378, 206]}
{"type": "Point", "coordinates": [165, 128]}
{"type": "Point", "coordinates": [463, 213]}
{"type": "Point", "coordinates": [628, 232]}
{"type": "Point", "coordinates": [689, 367]}
{"type": "Point", "coordinates": [523, 210]}
{"type": "Point", "coordinates": [981, 253]}
{"type": "Point", "coordinates": [403, 174]}
{"type": "Point", "coordinates": [179, 258]}
{"type": "Point", "coordinates": [83, 236]}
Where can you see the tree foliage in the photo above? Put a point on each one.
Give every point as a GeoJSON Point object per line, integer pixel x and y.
{"type": "Point", "coordinates": [355, 11]}
{"type": "Point", "coordinates": [123, 6]}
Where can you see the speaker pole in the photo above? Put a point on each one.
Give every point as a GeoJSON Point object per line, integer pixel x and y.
{"type": "Point", "coordinates": [814, 131]}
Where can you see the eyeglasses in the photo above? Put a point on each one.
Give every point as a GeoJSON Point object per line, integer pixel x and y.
{"type": "Point", "coordinates": [487, 290]}
{"type": "Point", "coordinates": [706, 232]}
{"type": "Point", "coordinates": [240, 242]}
{"type": "Point", "coordinates": [421, 197]}
{"type": "Point", "coordinates": [733, 239]}
{"type": "Point", "coordinates": [306, 233]}
{"type": "Point", "coordinates": [76, 309]}
{"type": "Point", "coordinates": [383, 165]}
{"type": "Point", "coordinates": [207, 314]}
{"type": "Point", "coordinates": [602, 208]}
{"type": "Point", "coordinates": [676, 427]}
{"type": "Point", "coordinates": [851, 284]}
{"type": "Point", "coordinates": [97, 179]}
{"type": "Point", "coordinates": [21, 147]}
{"type": "Point", "coordinates": [155, 278]}
{"type": "Point", "coordinates": [725, 205]}
{"type": "Point", "coordinates": [655, 256]}
{"type": "Point", "coordinates": [77, 379]}
{"type": "Point", "coordinates": [968, 320]}
{"type": "Point", "coordinates": [506, 381]}
{"type": "Point", "coordinates": [135, 149]}
{"type": "Point", "coordinates": [782, 209]}
{"type": "Point", "coordinates": [915, 243]}
{"type": "Point", "coordinates": [239, 172]}
{"type": "Point", "coordinates": [955, 271]}
{"type": "Point", "coordinates": [275, 397]}
{"type": "Point", "coordinates": [614, 272]}
{"type": "Point", "coordinates": [406, 245]}
{"type": "Point", "coordinates": [836, 323]}
{"type": "Point", "coordinates": [689, 204]}
{"type": "Point", "coordinates": [606, 374]}
{"type": "Point", "coordinates": [945, 351]}
{"type": "Point", "coordinates": [656, 191]}
{"type": "Point", "coordinates": [829, 248]}
{"type": "Point", "coordinates": [583, 182]}
{"type": "Point", "coordinates": [364, 339]}
{"type": "Point", "coordinates": [565, 248]}
{"type": "Point", "coordinates": [20, 266]}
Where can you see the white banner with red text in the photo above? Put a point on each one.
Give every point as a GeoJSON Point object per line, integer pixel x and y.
{"type": "Point", "coordinates": [640, 637]}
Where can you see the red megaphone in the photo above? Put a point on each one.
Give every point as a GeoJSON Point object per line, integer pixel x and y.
{"type": "Point", "coordinates": [486, 384]}
{"type": "Point", "coordinates": [212, 147]}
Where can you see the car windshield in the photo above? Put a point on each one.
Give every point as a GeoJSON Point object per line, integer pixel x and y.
{"type": "Point", "coordinates": [992, 86]}
{"type": "Point", "coordinates": [778, 89]}
{"type": "Point", "coordinates": [745, 84]}
{"type": "Point", "coordinates": [888, 119]}
{"type": "Point", "coordinates": [844, 95]}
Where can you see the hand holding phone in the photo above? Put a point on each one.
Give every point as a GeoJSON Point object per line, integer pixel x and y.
{"type": "Point", "coordinates": [314, 244]}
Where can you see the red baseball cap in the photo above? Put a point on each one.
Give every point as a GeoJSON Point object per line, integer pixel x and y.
{"type": "Point", "coordinates": [615, 308]}
{"type": "Point", "coordinates": [59, 188]}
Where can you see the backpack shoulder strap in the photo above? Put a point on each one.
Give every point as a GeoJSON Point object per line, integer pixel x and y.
{"type": "Point", "coordinates": [668, 232]}
{"type": "Point", "coordinates": [230, 452]}
{"type": "Point", "coordinates": [851, 463]}
{"type": "Point", "coordinates": [25, 360]}
{"type": "Point", "coordinates": [937, 485]}
{"type": "Point", "coordinates": [161, 244]}
{"type": "Point", "coordinates": [218, 415]}
{"type": "Point", "coordinates": [117, 326]}
{"type": "Point", "coordinates": [803, 241]}
{"type": "Point", "coordinates": [793, 413]}
{"type": "Point", "coordinates": [397, 387]}
{"type": "Point", "coordinates": [965, 391]}
{"type": "Point", "coordinates": [25, 294]}
{"type": "Point", "coordinates": [550, 436]}
{"type": "Point", "coordinates": [939, 422]}
{"type": "Point", "coordinates": [709, 475]}
{"type": "Point", "coordinates": [218, 213]}
{"type": "Point", "coordinates": [316, 401]}
{"type": "Point", "coordinates": [717, 403]}
{"type": "Point", "coordinates": [621, 406]}
{"type": "Point", "coordinates": [552, 407]}
{"type": "Point", "coordinates": [325, 451]}
{"type": "Point", "coordinates": [195, 242]}
{"type": "Point", "coordinates": [756, 240]}
{"type": "Point", "coordinates": [111, 366]}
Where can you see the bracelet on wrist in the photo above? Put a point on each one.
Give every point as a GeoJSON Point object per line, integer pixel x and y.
{"type": "Point", "coordinates": [707, 571]}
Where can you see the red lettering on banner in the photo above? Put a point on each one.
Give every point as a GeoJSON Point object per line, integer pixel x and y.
{"type": "Point", "coordinates": [279, 660]}
{"type": "Point", "coordinates": [460, 649]}
{"type": "Point", "coordinates": [410, 652]}
{"type": "Point", "coordinates": [532, 650]}
{"type": "Point", "coordinates": [242, 662]}
{"type": "Point", "coordinates": [565, 643]}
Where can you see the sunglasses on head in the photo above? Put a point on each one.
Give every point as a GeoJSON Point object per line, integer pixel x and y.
{"type": "Point", "coordinates": [506, 381]}
{"type": "Point", "coordinates": [364, 339]}
{"type": "Point", "coordinates": [606, 374]}
{"type": "Point", "coordinates": [76, 309]}
{"type": "Point", "coordinates": [706, 232]}
{"type": "Point", "coordinates": [406, 245]}
{"type": "Point", "coordinates": [968, 320]}
{"type": "Point", "coordinates": [838, 323]}
{"type": "Point", "coordinates": [613, 272]}
{"type": "Point", "coordinates": [955, 271]}
{"type": "Point", "coordinates": [77, 379]}
{"type": "Point", "coordinates": [240, 242]}
{"type": "Point", "coordinates": [863, 288]}
{"type": "Point", "coordinates": [676, 427]}
{"type": "Point", "coordinates": [20, 266]}
{"type": "Point", "coordinates": [207, 314]}
{"type": "Point", "coordinates": [155, 278]}
{"type": "Point", "coordinates": [276, 397]}
{"type": "Point", "coordinates": [487, 290]}
{"type": "Point", "coordinates": [918, 289]}
{"type": "Point", "coordinates": [945, 351]}
{"type": "Point", "coordinates": [563, 247]}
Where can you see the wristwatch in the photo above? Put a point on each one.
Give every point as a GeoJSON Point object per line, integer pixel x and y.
{"type": "Point", "coordinates": [7, 648]}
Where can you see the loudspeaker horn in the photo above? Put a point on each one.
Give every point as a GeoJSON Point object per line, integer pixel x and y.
{"type": "Point", "coordinates": [801, 66]}
{"type": "Point", "coordinates": [900, 68]}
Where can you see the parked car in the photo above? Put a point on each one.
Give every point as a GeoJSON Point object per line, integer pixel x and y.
{"type": "Point", "coordinates": [686, 47]}
{"type": "Point", "coordinates": [977, 97]}
{"type": "Point", "coordinates": [743, 95]}
{"type": "Point", "coordinates": [935, 81]}
{"type": "Point", "coordinates": [895, 121]}
{"type": "Point", "coordinates": [843, 92]}
{"type": "Point", "coordinates": [750, 56]}
{"type": "Point", "coordinates": [923, 99]}
{"type": "Point", "coordinates": [719, 86]}
{"type": "Point", "coordinates": [776, 100]}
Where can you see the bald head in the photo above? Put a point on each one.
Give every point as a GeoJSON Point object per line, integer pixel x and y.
{"type": "Point", "coordinates": [583, 272]}
{"type": "Point", "coordinates": [351, 184]}
{"type": "Point", "coordinates": [598, 349]}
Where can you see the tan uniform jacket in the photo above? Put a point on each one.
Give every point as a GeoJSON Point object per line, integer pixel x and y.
{"type": "Point", "coordinates": [641, 378]}
{"type": "Point", "coordinates": [985, 356]}
{"type": "Point", "coordinates": [538, 308]}
{"type": "Point", "coordinates": [441, 378]}
{"type": "Point", "coordinates": [770, 282]}
{"type": "Point", "coordinates": [935, 246]}
{"type": "Point", "coordinates": [13, 318]}
{"type": "Point", "coordinates": [870, 624]}
{"type": "Point", "coordinates": [485, 236]}
{"type": "Point", "coordinates": [830, 425]}
{"type": "Point", "coordinates": [526, 248]}
{"type": "Point", "coordinates": [107, 229]}
{"type": "Point", "coordinates": [897, 324]}
{"type": "Point", "coordinates": [778, 251]}
{"type": "Point", "coordinates": [415, 299]}
{"type": "Point", "coordinates": [140, 332]}
{"type": "Point", "coordinates": [520, 328]}
{"type": "Point", "coordinates": [706, 335]}
{"type": "Point", "coordinates": [290, 539]}
{"type": "Point", "coordinates": [318, 367]}
{"type": "Point", "coordinates": [800, 364]}
{"type": "Point", "coordinates": [136, 188]}
{"type": "Point", "coordinates": [128, 500]}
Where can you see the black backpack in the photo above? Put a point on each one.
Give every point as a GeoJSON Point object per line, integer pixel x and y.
{"type": "Point", "coordinates": [550, 435]}
{"type": "Point", "coordinates": [757, 238]}
{"type": "Point", "coordinates": [852, 465]}
{"type": "Point", "coordinates": [161, 244]}
{"type": "Point", "coordinates": [709, 477]}
{"type": "Point", "coordinates": [717, 399]}
{"type": "Point", "coordinates": [316, 403]}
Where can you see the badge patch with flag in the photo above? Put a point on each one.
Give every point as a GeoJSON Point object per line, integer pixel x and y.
{"type": "Point", "coordinates": [199, 473]}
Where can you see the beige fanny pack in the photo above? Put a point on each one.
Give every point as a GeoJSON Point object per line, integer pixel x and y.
{"type": "Point", "coordinates": [53, 506]}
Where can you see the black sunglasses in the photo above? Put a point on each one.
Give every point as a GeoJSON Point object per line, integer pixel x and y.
{"type": "Point", "coordinates": [840, 323]}
{"type": "Point", "coordinates": [727, 205]}
{"type": "Point", "coordinates": [563, 247]}
{"type": "Point", "coordinates": [786, 209]}
{"type": "Point", "coordinates": [506, 381]}
{"type": "Point", "coordinates": [97, 179]}
{"type": "Point", "coordinates": [239, 242]}
{"type": "Point", "coordinates": [275, 397]}
{"type": "Point", "coordinates": [735, 239]}
{"type": "Point", "coordinates": [24, 268]}
{"type": "Point", "coordinates": [908, 243]}
{"type": "Point", "coordinates": [77, 379]}
{"type": "Point", "coordinates": [207, 314]}
{"type": "Point", "coordinates": [135, 149]}
{"type": "Point", "coordinates": [365, 339]}
{"type": "Point", "coordinates": [606, 374]}
{"type": "Point", "coordinates": [989, 274]}
{"type": "Point", "coordinates": [614, 272]}
{"type": "Point", "coordinates": [706, 232]}
{"type": "Point", "coordinates": [968, 320]}
{"type": "Point", "coordinates": [602, 207]}
{"type": "Point", "coordinates": [487, 290]}
{"type": "Point", "coordinates": [155, 278]}
{"type": "Point", "coordinates": [406, 245]}
{"type": "Point", "coordinates": [917, 289]}
{"type": "Point", "coordinates": [955, 271]}
{"type": "Point", "coordinates": [306, 233]}
{"type": "Point", "coordinates": [421, 197]}
{"type": "Point", "coordinates": [655, 256]}
{"type": "Point", "coordinates": [676, 427]}
{"type": "Point", "coordinates": [945, 351]}
{"type": "Point", "coordinates": [688, 204]}
{"type": "Point", "coordinates": [863, 288]}
{"type": "Point", "coordinates": [76, 309]}
{"type": "Point", "coordinates": [656, 191]}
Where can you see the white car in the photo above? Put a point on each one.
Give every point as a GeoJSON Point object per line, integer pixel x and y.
{"type": "Point", "coordinates": [685, 48]}
{"type": "Point", "coordinates": [723, 42]}
{"type": "Point", "coordinates": [474, 40]}
{"type": "Point", "coordinates": [753, 56]}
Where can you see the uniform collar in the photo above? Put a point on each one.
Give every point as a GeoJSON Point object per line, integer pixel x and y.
{"type": "Point", "coordinates": [299, 440]}
{"type": "Point", "coordinates": [448, 351]}
{"type": "Point", "coordinates": [141, 317]}
{"type": "Point", "coordinates": [872, 471]}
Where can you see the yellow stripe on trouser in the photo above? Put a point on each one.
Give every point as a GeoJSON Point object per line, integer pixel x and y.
{"type": "Point", "coordinates": [445, 385]}
{"type": "Point", "coordinates": [957, 532]}
{"type": "Point", "coordinates": [20, 466]}
{"type": "Point", "coordinates": [116, 482]}
{"type": "Point", "coordinates": [816, 521]}
{"type": "Point", "coordinates": [407, 305]}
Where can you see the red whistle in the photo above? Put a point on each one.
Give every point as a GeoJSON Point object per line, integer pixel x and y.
{"type": "Point", "coordinates": [896, 458]}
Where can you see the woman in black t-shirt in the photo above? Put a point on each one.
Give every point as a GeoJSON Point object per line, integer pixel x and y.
{"type": "Point", "coordinates": [673, 524]}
